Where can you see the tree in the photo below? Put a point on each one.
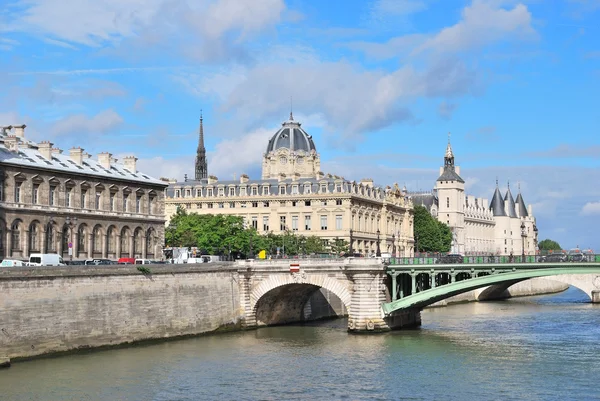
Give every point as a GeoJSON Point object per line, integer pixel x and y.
{"type": "Point", "coordinates": [430, 234]}
{"type": "Point", "coordinates": [549, 245]}
{"type": "Point", "coordinates": [313, 244]}
{"type": "Point", "coordinates": [339, 246]}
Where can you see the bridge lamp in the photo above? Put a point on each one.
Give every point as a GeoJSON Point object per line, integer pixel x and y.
{"type": "Point", "coordinates": [523, 235]}
{"type": "Point", "coordinates": [351, 251]}
{"type": "Point", "coordinates": [378, 253]}
{"type": "Point", "coordinates": [71, 222]}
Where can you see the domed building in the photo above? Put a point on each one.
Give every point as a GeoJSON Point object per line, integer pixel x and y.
{"type": "Point", "coordinates": [291, 151]}
{"type": "Point", "coordinates": [293, 195]}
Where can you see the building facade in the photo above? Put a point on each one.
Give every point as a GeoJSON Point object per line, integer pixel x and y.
{"type": "Point", "coordinates": [294, 195]}
{"type": "Point", "coordinates": [74, 205]}
{"type": "Point", "coordinates": [504, 226]}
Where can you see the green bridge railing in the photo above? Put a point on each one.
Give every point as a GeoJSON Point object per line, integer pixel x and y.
{"type": "Point", "coordinates": [494, 259]}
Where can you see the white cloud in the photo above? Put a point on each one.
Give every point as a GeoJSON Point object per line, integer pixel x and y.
{"type": "Point", "coordinates": [591, 208]}
{"type": "Point", "coordinates": [482, 22]}
{"type": "Point", "coordinates": [102, 122]}
{"type": "Point", "coordinates": [446, 109]}
{"type": "Point", "coordinates": [158, 167]}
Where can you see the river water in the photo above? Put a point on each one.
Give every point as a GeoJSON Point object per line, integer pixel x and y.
{"type": "Point", "coordinates": [537, 348]}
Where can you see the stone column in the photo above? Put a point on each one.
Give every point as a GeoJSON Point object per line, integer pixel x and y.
{"type": "Point", "coordinates": [104, 246]}
{"type": "Point", "coordinates": [131, 250]}
{"type": "Point", "coordinates": [90, 246]}
{"type": "Point", "coordinates": [144, 250]}
{"type": "Point", "coordinates": [61, 240]}
{"type": "Point", "coordinates": [8, 246]}
{"type": "Point", "coordinates": [369, 292]}
{"type": "Point", "coordinates": [74, 239]}
{"type": "Point", "coordinates": [44, 247]}
{"type": "Point", "coordinates": [25, 247]}
{"type": "Point", "coordinates": [117, 246]}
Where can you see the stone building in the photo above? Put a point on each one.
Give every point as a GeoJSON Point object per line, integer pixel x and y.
{"type": "Point", "coordinates": [503, 226]}
{"type": "Point", "coordinates": [294, 195]}
{"type": "Point", "coordinates": [50, 202]}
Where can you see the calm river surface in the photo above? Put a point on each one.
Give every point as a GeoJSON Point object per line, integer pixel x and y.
{"type": "Point", "coordinates": [539, 348]}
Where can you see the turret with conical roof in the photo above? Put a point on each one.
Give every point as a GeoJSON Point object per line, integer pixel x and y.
{"type": "Point", "coordinates": [509, 202]}
{"type": "Point", "coordinates": [497, 204]}
{"type": "Point", "coordinates": [522, 207]}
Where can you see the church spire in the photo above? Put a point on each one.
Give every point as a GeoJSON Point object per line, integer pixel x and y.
{"type": "Point", "coordinates": [449, 156]}
{"type": "Point", "coordinates": [201, 165]}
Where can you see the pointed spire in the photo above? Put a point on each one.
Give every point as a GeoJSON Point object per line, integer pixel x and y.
{"type": "Point", "coordinates": [522, 207]}
{"type": "Point", "coordinates": [201, 133]}
{"type": "Point", "coordinates": [291, 109]}
{"type": "Point", "coordinates": [201, 164]}
{"type": "Point", "coordinates": [511, 212]}
{"type": "Point", "coordinates": [449, 153]}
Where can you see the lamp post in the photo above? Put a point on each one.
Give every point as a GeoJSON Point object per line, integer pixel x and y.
{"type": "Point", "coordinates": [523, 235]}
{"type": "Point", "coordinates": [71, 222]}
{"type": "Point", "coordinates": [394, 245]}
{"type": "Point", "coordinates": [378, 252]}
{"type": "Point", "coordinates": [250, 252]}
{"type": "Point", "coordinates": [351, 251]}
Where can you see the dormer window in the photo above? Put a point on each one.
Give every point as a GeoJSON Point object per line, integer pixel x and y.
{"type": "Point", "coordinates": [231, 191]}
{"type": "Point", "coordinates": [209, 192]}
{"type": "Point", "coordinates": [265, 191]}
{"type": "Point", "coordinates": [243, 191]}
{"type": "Point", "coordinates": [282, 190]}
{"type": "Point", "coordinates": [307, 189]}
{"type": "Point", "coordinates": [323, 188]}
{"type": "Point", "coordinates": [188, 193]}
{"type": "Point", "coordinates": [294, 189]}
{"type": "Point", "coordinates": [198, 193]}
{"type": "Point", "coordinates": [177, 193]}
{"type": "Point", "coordinates": [221, 191]}
{"type": "Point", "coordinates": [254, 191]}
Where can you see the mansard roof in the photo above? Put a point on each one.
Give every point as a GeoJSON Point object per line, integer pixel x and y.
{"type": "Point", "coordinates": [497, 204]}
{"type": "Point", "coordinates": [511, 204]}
{"type": "Point", "coordinates": [450, 174]}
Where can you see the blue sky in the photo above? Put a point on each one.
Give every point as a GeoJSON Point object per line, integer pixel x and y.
{"type": "Point", "coordinates": [379, 84]}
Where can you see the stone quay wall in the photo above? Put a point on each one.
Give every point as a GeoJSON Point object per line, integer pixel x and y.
{"type": "Point", "coordinates": [51, 309]}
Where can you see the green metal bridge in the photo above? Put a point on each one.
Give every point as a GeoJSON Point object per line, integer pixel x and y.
{"type": "Point", "coordinates": [416, 283]}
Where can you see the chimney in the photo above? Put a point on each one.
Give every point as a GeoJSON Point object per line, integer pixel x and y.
{"type": "Point", "coordinates": [367, 182]}
{"type": "Point", "coordinates": [6, 130]}
{"type": "Point", "coordinates": [76, 155]}
{"type": "Point", "coordinates": [57, 151]}
{"type": "Point", "coordinates": [20, 130]}
{"type": "Point", "coordinates": [212, 179]}
{"type": "Point", "coordinates": [320, 175]}
{"type": "Point", "coordinates": [86, 155]}
{"type": "Point", "coordinates": [129, 162]}
{"type": "Point", "coordinates": [244, 178]}
{"type": "Point", "coordinates": [281, 177]}
{"type": "Point", "coordinates": [295, 176]}
{"type": "Point", "coordinates": [12, 143]}
{"type": "Point", "coordinates": [530, 210]}
{"type": "Point", "coordinates": [104, 159]}
{"type": "Point", "coordinates": [45, 148]}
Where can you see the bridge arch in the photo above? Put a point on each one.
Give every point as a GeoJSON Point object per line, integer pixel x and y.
{"type": "Point", "coordinates": [586, 279]}
{"type": "Point", "coordinates": [281, 299]}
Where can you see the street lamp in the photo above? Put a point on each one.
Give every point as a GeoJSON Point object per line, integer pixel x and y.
{"type": "Point", "coordinates": [523, 235]}
{"type": "Point", "coordinates": [394, 245]}
{"type": "Point", "coordinates": [378, 253]}
{"type": "Point", "coordinates": [351, 251]}
{"type": "Point", "coordinates": [71, 222]}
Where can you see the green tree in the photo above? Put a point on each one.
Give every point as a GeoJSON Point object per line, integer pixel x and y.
{"type": "Point", "coordinates": [430, 234]}
{"type": "Point", "coordinates": [549, 245]}
{"type": "Point", "coordinates": [314, 244]}
{"type": "Point", "coordinates": [339, 246]}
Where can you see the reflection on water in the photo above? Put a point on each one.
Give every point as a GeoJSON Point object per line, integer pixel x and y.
{"type": "Point", "coordinates": [539, 348]}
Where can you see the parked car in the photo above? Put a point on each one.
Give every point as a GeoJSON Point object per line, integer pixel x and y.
{"type": "Point", "coordinates": [98, 262]}
{"type": "Point", "coordinates": [553, 258]}
{"type": "Point", "coordinates": [450, 259]}
{"type": "Point", "coordinates": [13, 263]}
{"type": "Point", "coordinates": [577, 257]}
{"type": "Point", "coordinates": [126, 261]}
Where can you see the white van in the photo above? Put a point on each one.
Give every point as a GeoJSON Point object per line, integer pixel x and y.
{"type": "Point", "coordinates": [13, 263]}
{"type": "Point", "coordinates": [45, 259]}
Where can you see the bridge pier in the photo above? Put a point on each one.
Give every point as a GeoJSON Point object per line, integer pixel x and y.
{"type": "Point", "coordinates": [596, 297]}
{"type": "Point", "coordinates": [369, 293]}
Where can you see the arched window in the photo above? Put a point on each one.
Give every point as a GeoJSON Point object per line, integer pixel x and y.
{"type": "Point", "coordinates": [66, 238]}
{"type": "Point", "coordinates": [97, 240]}
{"type": "Point", "coordinates": [81, 239]}
{"type": "Point", "coordinates": [150, 242]}
{"type": "Point", "coordinates": [137, 241]}
{"type": "Point", "coordinates": [16, 235]}
{"type": "Point", "coordinates": [1, 237]}
{"type": "Point", "coordinates": [125, 241]}
{"type": "Point", "coordinates": [111, 240]}
{"type": "Point", "coordinates": [33, 238]}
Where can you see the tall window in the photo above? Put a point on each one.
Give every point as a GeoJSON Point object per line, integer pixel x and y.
{"type": "Point", "coordinates": [231, 191]}
{"type": "Point", "coordinates": [294, 189]}
{"type": "Point", "coordinates": [282, 225]}
{"type": "Point", "coordinates": [125, 203]}
{"type": "Point", "coordinates": [97, 200]}
{"type": "Point", "coordinates": [265, 223]}
{"type": "Point", "coordinates": [97, 240]}
{"type": "Point", "coordinates": [254, 191]}
{"type": "Point", "coordinates": [265, 191]}
{"type": "Point", "coordinates": [447, 202]}
{"type": "Point", "coordinates": [338, 222]}
{"type": "Point", "coordinates": [50, 245]}
{"type": "Point", "coordinates": [243, 191]}
{"type": "Point", "coordinates": [36, 194]}
{"type": "Point", "coordinates": [112, 201]}
{"type": "Point", "coordinates": [152, 205]}
{"type": "Point", "coordinates": [282, 190]}
{"type": "Point", "coordinates": [307, 222]}
{"type": "Point", "coordinates": [68, 197]}
{"type": "Point", "coordinates": [209, 192]}
{"type": "Point", "coordinates": [1, 189]}
{"type": "Point", "coordinates": [16, 236]}
{"type": "Point", "coordinates": [81, 239]}
{"type": "Point", "coordinates": [33, 238]}
{"type": "Point", "coordinates": [83, 198]}
{"type": "Point", "coordinates": [138, 204]}
{"type": "Point", "coordinates": [255, 222]}
{"type": "Point", "coordinates": [18, 191]}
{"type": "Point", "coordinates": [295, 223]}
{"type": "Point", "coordinates": [53, 195]}
{"type": "Point", "coordinates": [307, 188]}
{"type": "Point", "coordinates": [324, 222]}
{"type": "Point", "coordinates": [111, 240]}
{"type": "Point", "coordinates": [1, 239]}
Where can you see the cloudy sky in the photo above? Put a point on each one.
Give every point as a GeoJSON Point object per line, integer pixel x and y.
{"type": "Point", "coordinates": [379, 84]}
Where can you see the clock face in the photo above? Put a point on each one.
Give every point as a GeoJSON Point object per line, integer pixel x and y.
{"type": "Point", "coordinates": [283, 160]}
{"type": "Point", "coordinates": [300, 160]}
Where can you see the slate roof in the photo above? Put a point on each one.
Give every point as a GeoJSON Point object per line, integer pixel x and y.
{"type": "Point", "coordinates": [512, 212]}
{"type": "Point", "coordinates": [522, 207]}
{"type": "Point", "coordinates": [291, 136]}
{"type": "Point", "coordinates": [449, 174]}
{"type": "Point", "coordinates": [497, 204]}
{"type": "Point", "coordinates": [424, 199]}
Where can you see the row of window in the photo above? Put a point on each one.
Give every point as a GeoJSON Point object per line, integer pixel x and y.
{"type": "Point", "coordinates": [232, 205]}
{"type": "Point", "coordinates": [295, 223]}
{"type": "Point", "coordinates": [253, 191]}
{"type": "Point", "coordinates": [85, 196]}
